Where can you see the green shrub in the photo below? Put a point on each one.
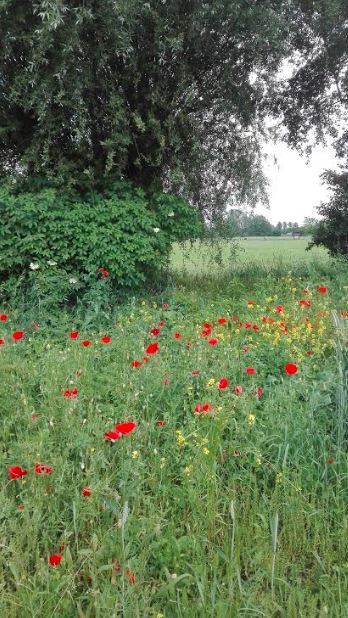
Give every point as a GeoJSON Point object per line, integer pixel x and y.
{"type": "Point", "coordinates": [55, 241]}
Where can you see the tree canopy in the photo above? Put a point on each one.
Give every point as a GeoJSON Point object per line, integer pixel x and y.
{"type": "Point", "coordinates": [169, 93]}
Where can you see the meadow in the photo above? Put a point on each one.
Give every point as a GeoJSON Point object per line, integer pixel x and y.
{"type": "Point", "coordinates": [199, 257]}
{"type": "Point", "coordinates": [184, 454]}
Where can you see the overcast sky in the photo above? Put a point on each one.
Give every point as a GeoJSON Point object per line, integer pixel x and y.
{"type": "Point", "coordinates": [295, 187]}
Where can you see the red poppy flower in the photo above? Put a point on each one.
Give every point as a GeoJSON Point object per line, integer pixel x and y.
{"type": "Point", "coordinates": [165, 306]}
{"type": "Point", "coordinates": [74, 334]}
{"type": "Point", "coordinates": [17, 335]}
{"type": "Point", "coordinates": [34, 416]}
{"type": "Point", "coordinates": [176, 336]}
{"type": "Point", "coordinates": [86, 492]}
{"type": "Point", "coordinates": [112, 436]}
{"type": "Point", "coordinates": [250, 371]}
{"type": "Point", "coordinates": [125, 428]}
{"type": "Point", "coordinates": [70, 393]}
{"type": "Point", "coordinates": [152, 348]}
{"type": "Point", "coordinates": [106, 339]}
{"type": "Point", "coordinates": [206, 407]}
{"type": "Point", "coordinates": [130, 576]}
{"type": "Point", "coordinates": [329, 461]}
{"type": "Point", "coordinates": [238, 390]}
{"type": "Point", "coordinates": [3, 317]}
{"type": "Point", "coordinates": [206, 330]}
{"type": "Point", "coordinates": [255, 327]}
{"type": "Point", "coordinates": [136, 363]}
{"type": "Point", "coordinates": [291, 369]}
{"type": "Point", "coordinates": [222, 320]}
{"type": "Point", "coordinates": [43, 469]}
{"type": "Point", "coordinates": [86, 343]}
{"type": "Point", "coordinates": [103, 272]}
{"type": "Point", "coordinates": [16, 472]}
{"type": "Point", "coordinates": [161, 324]}
{"type": "Point", "coordinates": [166, 382]}
{"type": "Point", "coordinates": [195, 373]}
{"type": "Point", "coordinates": [155, 331]}
{"type": "Point", "coordinates": [279, 308]}
{"type": "Point", "coordinates": [223, 383]}
{"type": "Point", "coordinates": [55, 559]}
{"type": "Point", "coordinates": [304, 302]}
{"type": "Point", "coordinates": [145, 359]}
{"type": "Point", "coordinates": [259, 392]}
{"type": "Point", "coordinates": [250, 303]}
{"type": "Point", "coordinates": [247, 324]}
{"type": "Point", "coordinates": [322, 289]}
{"type": "Point", "coordinates": [2, 341]}
{"type": "Point", "coordinates": [213, 341]}
{"type": "Point", "coordinates": [187, 343]}
{"type": "Point", "coordinates": [160, 423]}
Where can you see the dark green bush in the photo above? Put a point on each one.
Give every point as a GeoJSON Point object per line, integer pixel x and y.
{"type": "Point", "coordinates": [54, 240]}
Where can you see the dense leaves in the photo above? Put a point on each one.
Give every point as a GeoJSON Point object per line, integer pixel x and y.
{"type": "Point", "coordinates": [119, 236]}
{"type": "Point", "coordinates": [332, 231]}
{"type": "Point", "coordinates": [159, 92]}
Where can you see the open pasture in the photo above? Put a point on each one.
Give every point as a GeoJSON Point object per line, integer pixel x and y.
{"type": "Point", "coordinates": [185, 456]}
{"type": "Point", "coordinates": [201, 257]}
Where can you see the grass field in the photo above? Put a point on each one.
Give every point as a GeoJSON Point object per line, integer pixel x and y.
{"type": "Point", "coordinates": [184, 455]}
{"type": "Point", "coordinates": [200, 257]}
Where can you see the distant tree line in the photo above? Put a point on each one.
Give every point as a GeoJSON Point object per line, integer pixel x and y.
{"type": "Point", "coordinates": [238, 223]}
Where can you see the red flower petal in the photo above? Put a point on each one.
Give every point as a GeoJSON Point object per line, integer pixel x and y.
{"type": "Point", "coordinates": [55, 559]}
{"type": "Point", "coordinates": [86, 492]}
{"type": "Point", "coordinates": [74, 334]}
{"type": "Point", "coordinates": [112, 436]}
{"type": "Point", "coordinates": [291, 369]}
{"type": "Point", "coordinates": [223, 383]}
{"type": "Point", "coordinates": [16, 472]}
{"type": "Point", "coordinates": [136, 363]}
{"type": "Point", "coordinates": [213, 341]}
{"type": "Point", "coordinates": [106, 339]}
{"type": "Point", "coordinates": [125, 428]}
{"type": "Point", "coordinates": [17, 335]}
{"type": "Point", "coordinates": [3, 317]}
{"type": "Point", "coordinates": [43, 469]}
{"type": "Point", "coordinates": [250, 371]}
{"type": "Point", "coordinates": [238, 390]}
{"type": "Point", "coordinates": [322, 289]}
{"type": "Point", "coordinates": [86, 343]}
{"type": "Point", "coordinates": [152, 348]}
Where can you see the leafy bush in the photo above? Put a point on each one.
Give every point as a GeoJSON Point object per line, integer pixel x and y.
{"type": "Point", "coordinates": [55, 241]}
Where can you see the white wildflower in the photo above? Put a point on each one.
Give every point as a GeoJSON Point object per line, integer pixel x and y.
{"type": "Point", "coordinates": [52, 263]}
{"type": "Point", "coordinates": [171, 214]}
{"type": "Point", "coordinates": [72, 280]}
{"type": "Point", "coordinates": [156, 229]}
{"type": "Point", "coordinates": [34, 266]}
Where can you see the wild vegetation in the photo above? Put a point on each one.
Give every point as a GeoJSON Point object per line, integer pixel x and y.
{"type": "Point", "coordinates": [183, 454]}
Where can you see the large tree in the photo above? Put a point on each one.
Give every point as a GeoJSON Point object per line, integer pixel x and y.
{"type": "Point", "coordinates": [165, 92]}
{"type": "Point", "coordinates": [313, 103]}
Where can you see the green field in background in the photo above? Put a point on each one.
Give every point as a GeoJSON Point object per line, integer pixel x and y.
{"type": "Point", "coordinates": [201, 256]}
